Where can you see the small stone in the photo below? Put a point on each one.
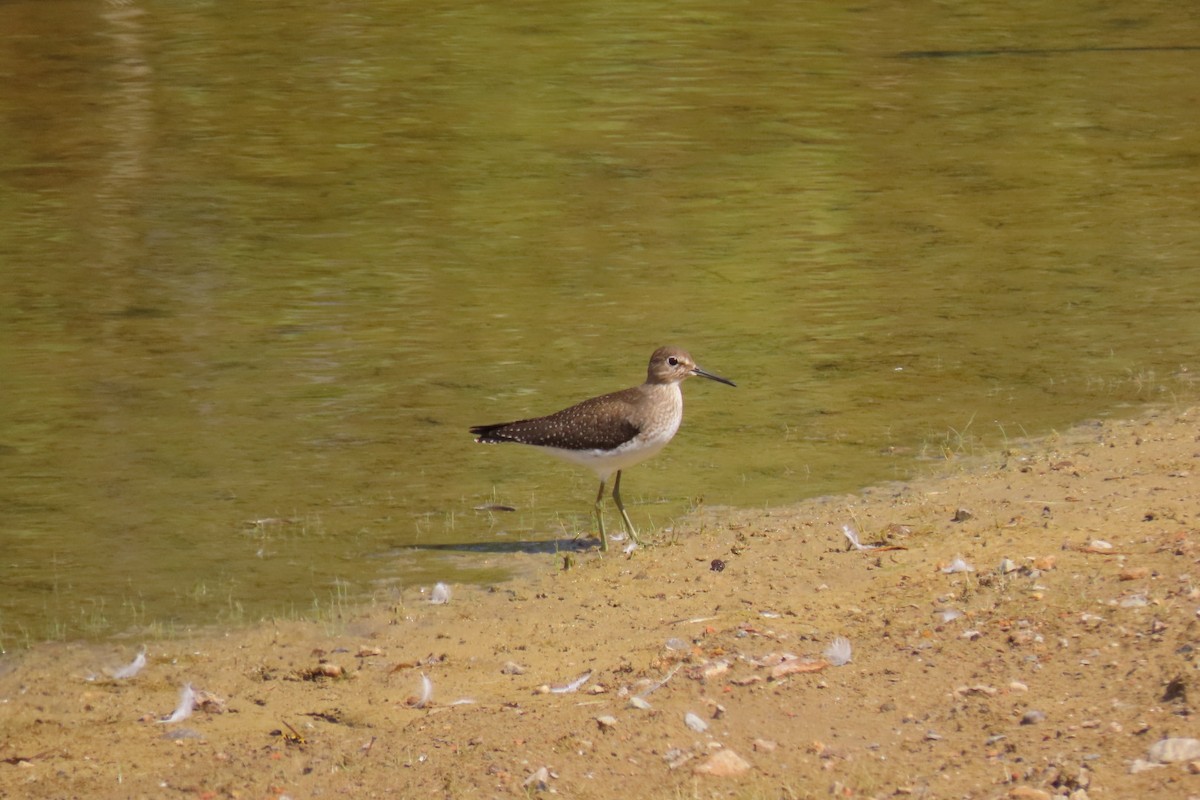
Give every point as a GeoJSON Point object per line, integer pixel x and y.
{"type": "Point", "coordinates": [713, 669]}
{"type": "Point", "coordinates": [539, 781]}
{"type": "Point", "coordinates": [640, 703]}
{"type": "Point", "coordinates": [694, 722]}
{"type": "Point", "coordinates": [1024, 638]}
{"type": "Point", "coordinates": [606, 722]}
{"type": "Point", "coordinates": [1028, 793]}
{"type": "Point", "coordinates": [1169, 751]}
{"type": "Point", "coordinates": [765, 746]}
{"type": "Point", "coordinates": [1033, 717]}
{"type": "Point", "coordinates": [723, 764]}
{"type": "Point", "coordinates": [209, 702]}
{"type": "Point", "coordinates": [962, 515]}
{"type": "Point", "coordinates": [1045, 563]}
{"type": "Point", "coordinates": [512, 668]}
{"type": "Point", "coordinates": [794, 666]}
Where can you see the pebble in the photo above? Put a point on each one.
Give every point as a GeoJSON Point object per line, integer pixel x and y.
{"type": "Point", "coordinates": [512, 668]}
{"type": "Point", "coordinates": [1033, 717]}
{"type": "Point", "coordinates": [640, 703]}
{"type": "Point", "coordinates": [327, 670]}
{"type": "Point", "coordinates": [1044, 564]}
{"type": "Point", "coordinates": [1028, 793]}
{"type": "Point", "coordinates": [694, 722]}
{"type": "Point", "coordinates": [1169, 751]}
{"type": "Point", "coordinates": [677, 757]}
{"type": "Point", "coordinates": [796, 665]}
{"type": "Point", "coordinates": [723, 764]}
{"type": "Point", "coordinates": [539, 780]}
{"type": "Point", "coordinates": [606, 722]}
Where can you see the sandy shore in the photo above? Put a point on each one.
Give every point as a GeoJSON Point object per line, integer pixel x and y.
{"type": "Point", "coordinates": [1028, 629]}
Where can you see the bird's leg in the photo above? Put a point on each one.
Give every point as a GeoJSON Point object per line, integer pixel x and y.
{"type": "Point", "coordinates": [621, 506]}
{"type": "Point", "coordinates": [600, 514]}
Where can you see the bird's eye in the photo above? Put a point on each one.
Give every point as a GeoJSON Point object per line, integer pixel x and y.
{"type": "Point", "coordinates": [673, 361]}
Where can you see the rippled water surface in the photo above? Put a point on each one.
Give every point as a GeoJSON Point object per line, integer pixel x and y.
{"type": "Point", "coordinates": [264, 263]}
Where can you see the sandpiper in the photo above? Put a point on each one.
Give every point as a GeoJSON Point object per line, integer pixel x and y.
{"type": "Point", "coordinates": [614, 431]}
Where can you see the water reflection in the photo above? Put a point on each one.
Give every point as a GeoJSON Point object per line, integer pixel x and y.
{"type": "Point", "coordinates": [264, 264]}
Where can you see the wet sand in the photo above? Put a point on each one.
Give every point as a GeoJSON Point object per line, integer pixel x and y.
{"type": "Point", "coordinates": [1026, 628]}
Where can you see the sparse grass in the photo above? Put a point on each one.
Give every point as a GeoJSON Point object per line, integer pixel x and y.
{"type": "Point", "coordinates": [335, 607]}
{"type": "Point", "coordinates": [444, 521]}
{"type": "Point", "coordinates": [21, 640]}
{"type": "Point", "coordinates": [958, 442]}
{"type": "Point", "coordinates": [93, 620]}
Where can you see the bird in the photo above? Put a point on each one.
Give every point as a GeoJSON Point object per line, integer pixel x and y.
{"type": "Point", "coordinates": [612, 432]}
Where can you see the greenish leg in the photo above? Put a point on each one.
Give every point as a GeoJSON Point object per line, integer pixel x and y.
{"type": "Point", "coordinates": [600, 514]}
{"type": "Point", "coordinates": [621, 506]}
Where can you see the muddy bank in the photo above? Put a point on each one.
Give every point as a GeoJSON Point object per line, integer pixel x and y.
{"type": "Point", "coordinates": [1022, 628]}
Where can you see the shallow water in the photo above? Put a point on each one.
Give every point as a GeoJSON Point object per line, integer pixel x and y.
{"type": "Point", "coordinates": [265, 263]}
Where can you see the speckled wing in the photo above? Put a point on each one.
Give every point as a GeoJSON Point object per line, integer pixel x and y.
{"type": "Point", "coordinates": [601, 423]}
